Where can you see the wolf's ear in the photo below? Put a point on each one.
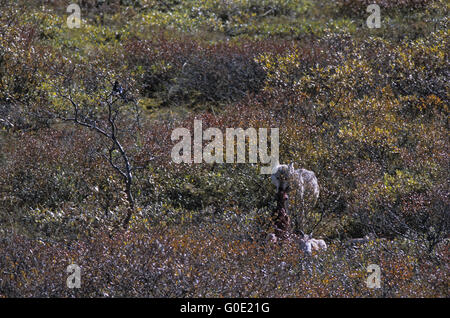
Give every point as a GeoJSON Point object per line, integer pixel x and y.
{"type": "Point", "coordinates": [291, 168]}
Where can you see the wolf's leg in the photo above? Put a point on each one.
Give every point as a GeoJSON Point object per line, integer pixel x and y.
{"type": "Point", "coordinates": [295, 213]}
{"type": "Point", "coordinates": [302, 225]}
{"type": "Point", "coordinates": [300, 211]}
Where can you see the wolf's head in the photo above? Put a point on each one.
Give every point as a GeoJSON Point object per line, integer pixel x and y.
{"type": "Point", "coordinates": [281, 177]}
{"type": "Point", "coordinates": [303, 236]}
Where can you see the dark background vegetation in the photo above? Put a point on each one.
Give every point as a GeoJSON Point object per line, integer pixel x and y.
{"type": "Point", "coordinates": [365, 109]}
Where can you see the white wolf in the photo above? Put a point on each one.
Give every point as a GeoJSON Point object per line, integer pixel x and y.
{"type": "Point", "coordinates": [302, 181]}
{"type": "Point", "coordinates": [309, 244]}
{"type": "Point", "coordinates": [306, 243]}
{"type": "Point", "coordinates": [304, 185]}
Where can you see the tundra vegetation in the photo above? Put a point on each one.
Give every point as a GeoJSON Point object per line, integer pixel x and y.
{"type": "Point", "coordinates": [365, 109]}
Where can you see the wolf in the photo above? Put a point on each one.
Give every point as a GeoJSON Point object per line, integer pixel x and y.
{"type": "Point", "coordinates": [304, 185]}
{"type": "Point", "coordinates": [302, 181]}
{"type": "Point", "coordinates": [309, 244]}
